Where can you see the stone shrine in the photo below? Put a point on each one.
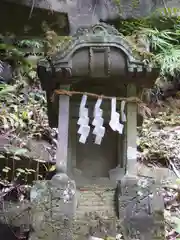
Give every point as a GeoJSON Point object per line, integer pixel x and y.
{"type": "Point", "coordinates": [109, 197]}
{"type": "Point", "coordinates": [96, 191]}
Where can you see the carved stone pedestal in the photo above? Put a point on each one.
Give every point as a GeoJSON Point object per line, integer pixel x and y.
{"type": "Point", "coordinates": [53, 209]}
{"type": "Point", "coordinates": [141, 209]}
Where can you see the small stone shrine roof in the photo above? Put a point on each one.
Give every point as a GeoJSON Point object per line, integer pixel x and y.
{"type": "Point", "coordinates": [99, 54]}
{"type": "Point", "coordinates": [99, 51]}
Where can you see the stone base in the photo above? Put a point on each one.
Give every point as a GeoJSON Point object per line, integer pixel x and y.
{"type": "Point", "coordinates": [95, 215]}
{"type": "Point", "coordinates": [141, 209]}
{"type": "Point", "coordinates": [53, 209]}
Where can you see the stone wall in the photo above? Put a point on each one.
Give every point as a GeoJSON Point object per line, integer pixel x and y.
{"type": "Point", "coordinates": [87, 12]}
{"type": "Point", "coordinates": [104, 10]}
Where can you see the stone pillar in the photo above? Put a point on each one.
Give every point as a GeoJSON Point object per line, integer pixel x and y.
{"type": "Point", "coordinates": [54, 201]}
{"type": "Point", "coordinates": [141, 205]}
{"type": "Point", "coordinates": [131, 131]}
{"type": "Point", "coordinates": [63, 130]}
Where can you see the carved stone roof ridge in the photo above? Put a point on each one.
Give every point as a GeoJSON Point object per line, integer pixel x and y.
{"type": "Point", "coordinates": [94, 52]}
{"type": "Point", "coordinates": [97, 35]}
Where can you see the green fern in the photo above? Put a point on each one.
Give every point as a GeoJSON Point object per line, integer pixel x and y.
{"type": "Point", "coordinates": [169, 61]}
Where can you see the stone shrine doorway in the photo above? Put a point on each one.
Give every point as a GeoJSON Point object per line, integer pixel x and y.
{"type": "Point", "coordinates": [90, 162]}
{"type": "Point", "coordinates": [95, 161]}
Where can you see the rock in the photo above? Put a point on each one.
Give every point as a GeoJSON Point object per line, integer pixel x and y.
{"type": "Point", "coordinates": [53, 209]}
{"type": "Point", "coordinates": [38, 150]}
{"type": "Point", "coordinates": [141, 209]}
{"type": "Point", "coordinates": [17, 213]}
{"type": "Point", "coordinates": [14, 220]}
{"type": "Point", "coordinates": [159, 174]}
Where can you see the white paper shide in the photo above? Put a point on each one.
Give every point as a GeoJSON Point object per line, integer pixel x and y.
{"type": "Point", "coordinates": [115, 118]}
{"type": "Point", "coordinates": [83, 121]}
{"type": "Point", "coordinates": [116, 123]}
{"type": "Point", "coordinates": [98, 121]}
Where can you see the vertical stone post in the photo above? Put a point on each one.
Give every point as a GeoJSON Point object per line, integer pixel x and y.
{"type": "Point", "coordinates": [140, 206]}
{"type": "Point", "coordinates": [131, 136]}
{"type": "Point", "coordinates": [63, 130]}
{"type": "Point", "coordinates": [54, 201]}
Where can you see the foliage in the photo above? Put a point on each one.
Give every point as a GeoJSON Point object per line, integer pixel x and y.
{"type": "Point", "coordinates": [23, 106]}
{"type": "Point", "coordinates": [127, 27]}
{"type": "Point", "coordinates": [169, 61]}
{"type": "Point", "coordinates": [24, 110]}
{"type": "Point", "coordinates": [163, 36]}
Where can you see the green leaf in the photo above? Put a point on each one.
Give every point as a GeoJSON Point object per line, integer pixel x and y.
{"type": "Point", "coordinates": [52, 168]}
{"type": "Point", "coordinates": [8, 89]}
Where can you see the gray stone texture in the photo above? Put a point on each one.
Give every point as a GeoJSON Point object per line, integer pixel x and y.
{"type": "Point", "coordinates": [141, 209]}
{"type": "Point", "coordinates": [53, 218]}
{"type": "Point", "coordinates": [88, 12]}
{"type": "Point", "coordinates": [95, 214]}
{"type": "Point", "coordinates": [53, 208]}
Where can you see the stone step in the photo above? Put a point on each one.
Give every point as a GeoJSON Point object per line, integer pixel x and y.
{"type": "Point", "coordinates": [85, 226]}
{"type": "Point", "coordinates": [95, 200]}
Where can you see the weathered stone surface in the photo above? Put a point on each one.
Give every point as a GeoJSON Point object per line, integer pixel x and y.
{"type": "Point", "coordinates": [95, 214]}
{"type": "Point", "coordinates": [160, 175]}
{"type": "Point", "coordinates": [14, 219]}
{"type": "Point", "coordinates": [53, 209]}
{"type": "Point", "coordinates": [141, 209]}
{"type": "Point", "coordinates": [88, 12]}
{"type": "Point", "coordinates": [53, 218]}
{"type": "Point", "coordinates": [38, 150]}
{"type": "Point", "coordinates": [15, 214]}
